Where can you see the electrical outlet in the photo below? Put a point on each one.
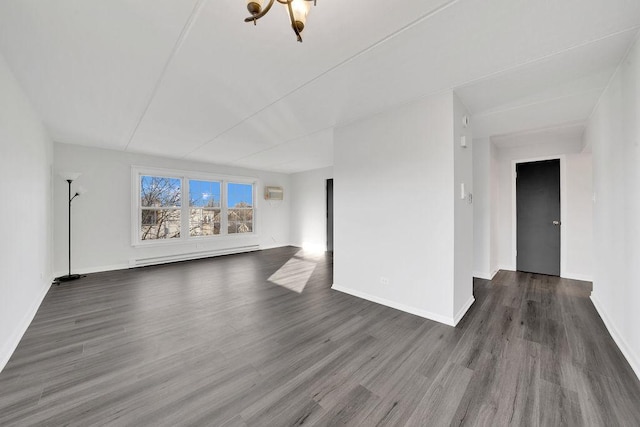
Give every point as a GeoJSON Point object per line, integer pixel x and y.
{"type": "Point", "coordinates": [384, 280]}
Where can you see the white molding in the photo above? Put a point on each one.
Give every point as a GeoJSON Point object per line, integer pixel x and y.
{"type": "Point", "coordinates": [467, 305]}
{"type": "Point", "coordinates": [276, 245]}
{"type": "Point", "coordinates": [95, 269]}
{"type": "Point", "coordinates": [624, 347]}
{"type": "Point", "coordinates": [572, 276]}
{"type": "Point", "coordinates": [393, 304]}
{"type": "Point", "coordinates": [578, 276]}
{"type": "Point", "coordinates": [10, 346]}
{"type": "Point", "coordinates": [126, 266]}
{"type": "Point", "coordinates": [483, 275]}
{"type": "Point", "coordinates": [189, 256]}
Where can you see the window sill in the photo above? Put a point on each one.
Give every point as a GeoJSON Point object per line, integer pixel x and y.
{"type": "Point", "coordinates": [193, 240]}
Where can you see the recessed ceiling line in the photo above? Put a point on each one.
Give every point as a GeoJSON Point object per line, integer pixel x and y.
{"type": "Point", "coordinates": [624, 58]}
{"type": "Point", "coordinates": [454, 86]}
{"type": "Point", "coordinates": [530, 104]}
{"type": "Point", "coordinates": [479, 79]}
{"type": "Point", "coordinates": [542, 58]}
{"type": "Point", "coordinates": [390, 36]}
{"type": "Point", "coordinates": [315, 132]}
{"type": "Point", "coordinates": [468, 83]}
{"type": "Point", "coordinates": [186, 29]}
{"type": "Point", "coordinates": [538, 130]}
{"type": "Point", "coordinates": [486, 77]}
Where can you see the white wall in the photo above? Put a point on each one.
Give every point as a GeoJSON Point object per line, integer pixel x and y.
{"type": "Point", "coordinates": [463, 213]}
{"type": "Point", "coordinates": [25, 212]}
{"type": "Point", "coordinates": [101, 237]}
{"type": "Point", "coordinates": [481, 208]}
{"type": "Point", "coordinates": [394, 208]}
{"type": "Point", "coordinates": [309, 208]}
{"type": "Point", "coordinates": [576, 234]}
{"type": "Point", "coordinates": [579, 214]}
{"type": "Point", "coordinates": [613, 134]}
{"type": "Point", "coordinates": [494, 185]}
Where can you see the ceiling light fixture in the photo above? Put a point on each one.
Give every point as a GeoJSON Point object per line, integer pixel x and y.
{"type": "Point", "coordinates": [297, 10]}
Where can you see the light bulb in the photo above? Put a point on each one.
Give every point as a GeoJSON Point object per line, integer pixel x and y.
{"type": "Point", "coordinates": [300, 10]}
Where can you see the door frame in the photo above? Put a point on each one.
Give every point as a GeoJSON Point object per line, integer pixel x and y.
{"type": "Point", "coordinates": [326, 216]}
{"type": "Point", "coordinates": [563, 209]}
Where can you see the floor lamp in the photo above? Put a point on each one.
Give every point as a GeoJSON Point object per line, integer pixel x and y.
{"type": "Point", "coordinates": [69, 177]}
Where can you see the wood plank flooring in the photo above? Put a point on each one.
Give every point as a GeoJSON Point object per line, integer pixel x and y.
{"type": "Point", "coordinates": [260, 339]}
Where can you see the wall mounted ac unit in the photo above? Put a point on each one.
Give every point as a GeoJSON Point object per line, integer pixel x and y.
{"type": "Point", "coordinates": [273, 193]}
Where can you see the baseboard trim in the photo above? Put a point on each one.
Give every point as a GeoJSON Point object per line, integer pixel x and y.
{"type": "Point", "coordinates": [189, 256]}
{"type": "Point", "coordinates": [393, 304]}
{"type": "Point", "coordinates": [100, 269]}
{"type": "Point", "coordinates": [582, 277]}
{"type": "Point", "coordinates": [126, 266]}
{"type": "Point", "coordinates": [624, 347]}
{"type": "Point", "coordinates": [274, 246]}
{"type": "Point", "coordinates": [10, 347]}
{"type": "Point", "coordinates": [482, 275]}
{"type": "Point", "coordinates": [571, 276]}
{"type": "Point", "coordinates": [506, 267]}
{"type": "Point", "coordinates": [458, 317]}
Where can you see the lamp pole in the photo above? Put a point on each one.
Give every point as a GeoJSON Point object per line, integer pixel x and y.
{"type": "Point", "coordinates": [69, 277]}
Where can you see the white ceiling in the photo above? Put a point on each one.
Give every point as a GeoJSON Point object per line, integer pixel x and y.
{"type": "Point", "coordinates": [189, 79]}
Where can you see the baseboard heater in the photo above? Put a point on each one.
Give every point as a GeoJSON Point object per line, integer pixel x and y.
{"type": "Point", "coordinates": [143, 262]}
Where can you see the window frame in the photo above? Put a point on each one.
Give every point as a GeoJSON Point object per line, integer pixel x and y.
{"type": "Point", "coordinates": [185, 206]}
{"type": "Point", "coordinates": [252, 208]}
{"type": "Point", "coordinates": [158, 208]}
{"type": "Point", "coordinates": [222, 198]}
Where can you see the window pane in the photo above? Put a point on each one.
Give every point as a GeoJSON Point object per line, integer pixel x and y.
{"type": "Point", "coordinates": [161, 192]}
{"type": "Point", "coordinates": [159, 224]}
{"type": "Point", "coordinates": [240, 196]}
{"type": "Point", "coordinates": [204, 194]}
{"type": "Point", "coordinates": [204, 222]}
{"type": "Point", "coordinates": [240, 221]}
{"type": "Point", "coordinates": [240, 208]}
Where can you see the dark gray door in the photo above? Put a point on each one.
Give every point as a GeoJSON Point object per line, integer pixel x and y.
{"type": "Point", "coordinates": [330, 215]}
{"type": "Point", "coordinates": [538, 217]}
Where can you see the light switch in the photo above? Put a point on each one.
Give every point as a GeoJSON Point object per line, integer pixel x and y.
{"type": "Point", "coordinates": [463, 141]}
{"type": "Point", "coordinates": [463, 195]}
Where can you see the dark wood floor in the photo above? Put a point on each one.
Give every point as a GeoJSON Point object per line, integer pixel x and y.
{"type": "Point", "coordinates": [226, 342]}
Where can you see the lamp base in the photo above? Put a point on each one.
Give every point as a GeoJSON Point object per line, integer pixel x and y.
{"type": "Point", "coordinates": [67, 278]}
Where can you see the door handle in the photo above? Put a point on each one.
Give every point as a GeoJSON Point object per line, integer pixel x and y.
{"type": "Point", "coordinates": [556, 222]}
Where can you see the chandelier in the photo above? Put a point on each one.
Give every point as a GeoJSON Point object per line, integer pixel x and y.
{"type": "Point", "coordinates": [297, 10]}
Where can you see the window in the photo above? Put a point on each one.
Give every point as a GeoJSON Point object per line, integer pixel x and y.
{"type": "Point", "coordinates": [213, 206]}
{"type": "Point", "coordinates": [160, 207]}
{"type": "Point", "coordinates": [240, 208]}
{"type": "Point", "coordinates": [205, 208]}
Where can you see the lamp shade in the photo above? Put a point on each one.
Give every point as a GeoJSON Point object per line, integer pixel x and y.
{"type": "Point", "coordinates": [300, 10]}
{"type": "Point", "coordinates": [69, 176]}
{"type": "Point", "coordinates": [81, 190]}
